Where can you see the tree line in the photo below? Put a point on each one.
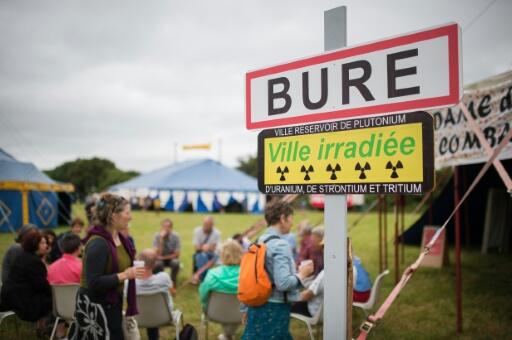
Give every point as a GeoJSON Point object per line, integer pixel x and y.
{"type": "Point", "coordinates": [90, 175]}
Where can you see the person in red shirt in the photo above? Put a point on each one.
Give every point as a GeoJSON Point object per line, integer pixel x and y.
{"type": "Point", "coordinates": [315, 251]}
{"type": "Point", "coordinates": [68, 268]}
{"type": "Point", "coordinates": [305, 243]}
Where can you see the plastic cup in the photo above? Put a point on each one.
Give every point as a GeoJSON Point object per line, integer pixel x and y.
{"type": "Point", "coordinates": [305, 262]}
{"type": "Point", "coordinates": [139, 267]}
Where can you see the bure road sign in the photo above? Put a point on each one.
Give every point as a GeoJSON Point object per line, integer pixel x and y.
{"type": "Point", "coordinates": [416, 71]}
{"type": "Point", "coordinates": [390, 154]}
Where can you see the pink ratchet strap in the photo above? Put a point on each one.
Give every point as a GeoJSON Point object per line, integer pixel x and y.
{"type": "Point", "coordinates": [372, 320]}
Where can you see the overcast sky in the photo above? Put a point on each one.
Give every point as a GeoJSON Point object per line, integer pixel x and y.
{"type": "Point", "coordinates": [129, 80]}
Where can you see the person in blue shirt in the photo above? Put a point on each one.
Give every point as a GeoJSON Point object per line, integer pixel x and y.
{"type": "Point", "coordinates": [362, 281]}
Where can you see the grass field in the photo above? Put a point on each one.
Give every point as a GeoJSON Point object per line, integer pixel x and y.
{"type": "Point", "coordinates": [424, 310]}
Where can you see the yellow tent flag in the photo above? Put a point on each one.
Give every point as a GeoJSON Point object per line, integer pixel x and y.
{"type": "Point", "coordinates": [197, 146]}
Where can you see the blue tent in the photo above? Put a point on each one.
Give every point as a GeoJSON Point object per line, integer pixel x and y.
{"type": "Point", "coordinates": [205, 184]}
{"type": "Point", "coordinates": [29, 196]}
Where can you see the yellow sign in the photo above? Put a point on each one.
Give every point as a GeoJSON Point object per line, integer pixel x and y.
{"type": "Point", "coordinates": [197, 147]}
{"type": "Point", "coordinates": [389, 154]}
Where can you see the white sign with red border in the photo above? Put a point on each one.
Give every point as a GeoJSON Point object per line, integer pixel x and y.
{"type": "Point", "coordinates": [419, 70]}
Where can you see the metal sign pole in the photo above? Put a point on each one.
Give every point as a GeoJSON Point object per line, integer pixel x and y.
{"type": "Point", "coordinates": [335, 214]}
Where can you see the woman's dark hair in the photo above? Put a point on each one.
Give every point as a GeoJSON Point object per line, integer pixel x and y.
{"type": "Point", "coordinates": [106, 206]}
{"type": "Point", "coordinates": [70, 243]}
{"type": "Point", "coordinates": [31, 240]}
{"type": "Point", "coordinates": [47, 233]}
{"type": "Point", "coordinates": [239, 238]}
{"type": "Point", "coordinates": [23, 231]}
{"type": "Point", "coordinates": [275, 209]}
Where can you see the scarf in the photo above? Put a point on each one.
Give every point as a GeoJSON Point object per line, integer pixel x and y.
{"type": "Point", "coordinates": [112, 297]}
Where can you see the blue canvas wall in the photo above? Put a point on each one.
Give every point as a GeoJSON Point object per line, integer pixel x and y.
{"type": "Point", "coordinates": [43, 208]}
{"type": "Point", "coordinates": [10, 210]}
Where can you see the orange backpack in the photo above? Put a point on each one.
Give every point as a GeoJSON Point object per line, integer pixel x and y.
{"type": "Point", "coordinates": [254, 285]}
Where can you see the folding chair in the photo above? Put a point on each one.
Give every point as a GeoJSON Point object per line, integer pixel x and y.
{"type": "Point", "coordinates": [6, 314]}
{"type": "Point", "coordinates": [154, 312]}
{"type": "Point", "coordinates": [222, 308]}
{"type": "Point", "coordinates": [374, 294]}
{"type": "Point", "coordinates": [311, 321]}
{"type": "Point", "coordinates": [64, 300]}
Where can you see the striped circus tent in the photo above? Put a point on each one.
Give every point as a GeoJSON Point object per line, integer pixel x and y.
{"type": "Point", "coordinates": [202, 185]}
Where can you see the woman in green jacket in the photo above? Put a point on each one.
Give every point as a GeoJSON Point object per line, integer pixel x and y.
{"type": "Point", "coordinates": [223, 279]}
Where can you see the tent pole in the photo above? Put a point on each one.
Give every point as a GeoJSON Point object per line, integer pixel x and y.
{"type": "Point", "coordinates": [381, 269]}
{"type": "Point", "coordinates": [402, 227]}
{"type": "Point", "coordinates": [397, 255]}
{"type": "Point", "coordinates": [430, 210]}
{"type": "Point", "coordinates": [458, 273]}
{"type": "Point", "coordinates": [24, 206]}
{"type": "Point", "coordinates": [466, 217]}
{"type": "Point", "coordinates": [385, 240]}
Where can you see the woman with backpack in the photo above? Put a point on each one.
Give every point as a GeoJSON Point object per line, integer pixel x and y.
{"type": "Point", "coordinates": [271, 319]}
{"type": "Point", "coordinates": [107, 264]}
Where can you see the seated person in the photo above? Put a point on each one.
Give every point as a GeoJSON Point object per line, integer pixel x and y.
{"type": "Point", "coordinates": [206, 239]}
{"type": "Point", "coordinates": [224, 279]}
{"type": "Point", "coordinates": [27, 291]}
{"type": "Point", "coordinates": [68, 268]}
{"type": "Point", "coordinates": [313, 296]}
{"type": "Point", "coordinates": [51, 238]}
{"type": "Point", "coordinates": [362, 281]}
{"type": "Point", "coordinates": [153, 283]}
{"type": "Point", "coordinates": [243, 240]}
{"type": "Point", "coordinates": [315, 251]}
{"type": "Point", "coordinates": [14, 250]}
{"type": "Point", "coordinates": [167, 246]}
{"type": "Point", "coordinates": [56, 251]}
{"type": "Point", "coordinates": [304, 228]}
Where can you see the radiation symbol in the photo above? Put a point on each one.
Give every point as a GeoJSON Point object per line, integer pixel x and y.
{"type": "Point", "coordinates": [398, 165]}
{"type": "Point", "coordinates": [282, 171]}
{"type": "Point", "coordinates": [333, 170]}
{"type": "Point", "coordinates": [307, 171]}
{"type": "Point", "coordinates": [362, 169]}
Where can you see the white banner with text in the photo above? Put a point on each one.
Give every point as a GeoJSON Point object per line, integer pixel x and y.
{"type": "Point", "coordinates": [490, 104]}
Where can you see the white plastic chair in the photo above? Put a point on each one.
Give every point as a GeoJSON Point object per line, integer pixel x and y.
{"type": "Point", "coordinates": [154, 312]}
{"type": "Point", "coordinates": [6, 314]}
{"type": "Point", "coordinates": [311, 321]}
{"type": "Point", "coordinates": [64, 301]}
{"type": "Point", "coordinates": [374, 294]}
{"type": "Point", "coordinates": [222, 308]}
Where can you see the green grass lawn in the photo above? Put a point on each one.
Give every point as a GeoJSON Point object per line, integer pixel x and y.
{"type": "Point", "coordinates": [424, 310]}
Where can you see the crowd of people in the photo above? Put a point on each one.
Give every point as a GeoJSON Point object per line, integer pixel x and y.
{"type": "Point", "coordinates": [102, 264]}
